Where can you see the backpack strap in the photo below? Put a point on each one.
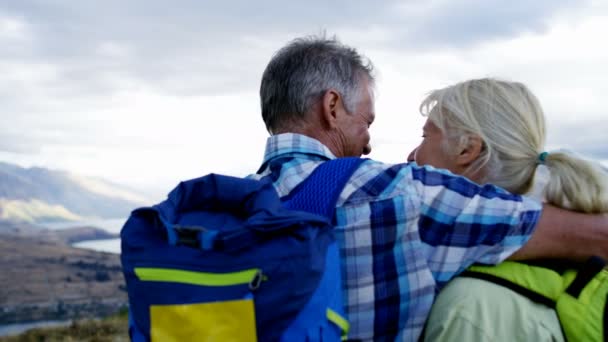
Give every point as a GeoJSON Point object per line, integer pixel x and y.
{"type": "Point", "coordinates": [606, 319]}
{"type": "Point", "coordinates": [524, 279]}
{"type": "Point", "coordinates": [319, 192]}
{"type": "Point", "coordinates": [540, 284]}
{"type": "Point", "coordinates": [588, 271]}
{"type": "Point", "coordinates": [524, 291]}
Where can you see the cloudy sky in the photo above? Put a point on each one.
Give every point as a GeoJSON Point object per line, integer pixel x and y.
{"type": "Point", "coordinates": [148, 93]}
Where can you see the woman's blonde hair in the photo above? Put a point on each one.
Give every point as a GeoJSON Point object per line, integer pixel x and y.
{"type": "Point", "coordinates": [510, 122]}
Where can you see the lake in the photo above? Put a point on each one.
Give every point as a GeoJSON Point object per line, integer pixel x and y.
{"type": "Point", "coordinates": [108, 245]}
{"type": "Point", "coordinates": [18, 328]}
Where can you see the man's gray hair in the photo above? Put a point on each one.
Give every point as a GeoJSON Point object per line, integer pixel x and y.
{"type": "Point", "coordinates": [302, 71]}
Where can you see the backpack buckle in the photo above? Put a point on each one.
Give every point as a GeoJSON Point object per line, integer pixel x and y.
{"type": "Point", "coordinates": [194, 236]}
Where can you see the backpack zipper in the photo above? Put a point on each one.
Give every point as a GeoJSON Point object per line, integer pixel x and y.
{"type": "Point", "coordinates": [253, 277]}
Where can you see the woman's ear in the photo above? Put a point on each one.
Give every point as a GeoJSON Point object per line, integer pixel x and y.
{"type": "Point", "coordinates": [471, 147]}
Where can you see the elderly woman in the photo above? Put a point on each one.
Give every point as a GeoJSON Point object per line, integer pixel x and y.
{"type": "Point", "coordinates": [493, 132]}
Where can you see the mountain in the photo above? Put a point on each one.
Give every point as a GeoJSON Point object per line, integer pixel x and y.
{"type": "Point", "coordinates": [38, 194]}
{"type": "Point", "coordinates": [66, 236]}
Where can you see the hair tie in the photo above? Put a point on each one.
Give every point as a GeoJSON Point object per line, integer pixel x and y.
{"type": "Point", "coordinates": [542, 157]}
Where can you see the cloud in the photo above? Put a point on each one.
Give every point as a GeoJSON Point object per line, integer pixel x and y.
{"type": "Point", "coordinates": [190, 47]}
{"type": "Point", "coordinates": [194, 47]}
{"type": "Point", "coordinates": [96, 49]}
{"type": "Point", "coordinates": [458, 24]}
{"type": "Point", "coordinates": [127, 88]}
{"type": "Point", "coordinates": [587, 137]}
{"type": "Point", "coordinates": [18, 144]}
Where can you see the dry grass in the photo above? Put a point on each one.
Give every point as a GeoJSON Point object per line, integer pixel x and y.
{"type": "Point", "coordinates": [114, 328]}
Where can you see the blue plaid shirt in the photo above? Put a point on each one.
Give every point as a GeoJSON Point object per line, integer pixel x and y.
{"type": "Point", "coordinates": [404, 231]}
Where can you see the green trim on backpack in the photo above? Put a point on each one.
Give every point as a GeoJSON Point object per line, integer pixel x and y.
{"type": "Point", "coordinates": [582, 318]}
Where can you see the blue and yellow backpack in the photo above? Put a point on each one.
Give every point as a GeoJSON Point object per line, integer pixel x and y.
{"type": "Point", "coordinates": [225, 259]}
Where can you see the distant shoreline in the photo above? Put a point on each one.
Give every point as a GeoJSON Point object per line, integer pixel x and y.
{"type": "Point", "coordinates": [100, 245]}
{"type": "Point", "coordinates": [18, 328]}
{"type": "Point", "coordinates": [111, 225]}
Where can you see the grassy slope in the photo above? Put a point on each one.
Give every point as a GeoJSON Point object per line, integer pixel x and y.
{"type": "Point", "coordinates": [113, 328]}
{"type": "Point", "coordinates": [43, 279]}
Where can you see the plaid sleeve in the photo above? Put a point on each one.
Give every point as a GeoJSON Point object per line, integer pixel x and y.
{"type": "Point", "coordinates": [461, 222]}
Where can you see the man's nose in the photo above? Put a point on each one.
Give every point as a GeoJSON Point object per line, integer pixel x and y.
{"type": "Point", "coordinates": [367, 149]}
{"type": "Point", "coordinates": [412, 156]}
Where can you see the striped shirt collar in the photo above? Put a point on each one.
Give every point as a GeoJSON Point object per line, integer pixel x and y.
{"type": "Point", "coordinates": [289, 144]}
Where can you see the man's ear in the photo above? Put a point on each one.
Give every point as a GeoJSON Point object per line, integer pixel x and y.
{"type": "Point", "coordinates": [331, 104]}
{"type": "Point", "coordinates": [471, 147]}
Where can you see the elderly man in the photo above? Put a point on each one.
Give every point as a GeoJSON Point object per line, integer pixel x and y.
{"type": "Point", "coordinates": [403, 230]}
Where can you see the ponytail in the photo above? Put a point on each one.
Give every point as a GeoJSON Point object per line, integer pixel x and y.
{"type": "Point", "coordinates": [575, 183]}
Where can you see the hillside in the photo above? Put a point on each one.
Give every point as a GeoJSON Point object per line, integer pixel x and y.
{"type": "Point", "coordinates": [44, 278]}
{"type": "Point", "coordinates": [68, 236]}
{"type": "Point", "coordinates": [38, 194]}
{"type": "Point", "coordinates": [110, 329]}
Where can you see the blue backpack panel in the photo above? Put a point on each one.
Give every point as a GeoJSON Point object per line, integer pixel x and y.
{"type": "Point", "coordinates": [224, 259]}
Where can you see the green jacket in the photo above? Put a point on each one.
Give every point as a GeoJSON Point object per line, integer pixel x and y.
{"type": "Point", "coordinates": [578, 295]}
